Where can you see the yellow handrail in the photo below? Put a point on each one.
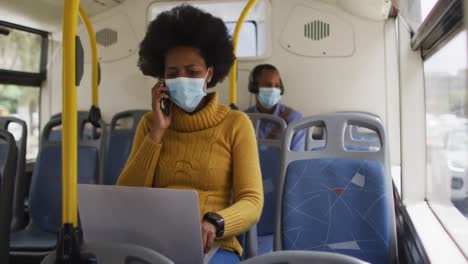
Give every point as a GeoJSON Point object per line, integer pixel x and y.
{"type": "Point", "coordinates": [69, 115]}
{"type": "Point", "coordinates": [94, 56]}
{"type": "Point", "coordinates": [235, 37]}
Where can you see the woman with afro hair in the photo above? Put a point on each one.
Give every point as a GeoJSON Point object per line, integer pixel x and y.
{"type": "Point", "coordinates": [197, 143]}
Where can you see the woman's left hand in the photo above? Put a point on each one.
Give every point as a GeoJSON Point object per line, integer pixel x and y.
{"type": "Point", "coordinates": [208, 231]}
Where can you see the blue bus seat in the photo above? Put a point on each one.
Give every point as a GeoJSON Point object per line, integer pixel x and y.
{"type": "Point", "coordinates": [46, 192]}
{"type": "Point", "coordinates": [18, 218]}
{"type": "Point", "coordinates": [7, 186]}
{"type": "Point", "coordinates": [337, 199]}
{"type": "Point", "coordinates": [269, 151]}
{"type": "Point", "coordinates": [85, 133]}
{"type": "Point", "coordinates": [119, 144]}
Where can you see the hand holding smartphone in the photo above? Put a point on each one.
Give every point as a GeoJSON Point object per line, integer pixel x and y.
{"type": "Point", "coordinates": [161, 105]}
{"type": "Point", "coordinates": [164, 103]}
{"type": "Point", "coordinates": [165, 106]}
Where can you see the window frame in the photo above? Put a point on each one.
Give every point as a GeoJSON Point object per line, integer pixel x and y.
{"type": "Point", "coordinates": [28, 79]}
{"type": "Point", "coordinates": [441, 24]}
{"type": "Point", "coordinates": [23, 78]}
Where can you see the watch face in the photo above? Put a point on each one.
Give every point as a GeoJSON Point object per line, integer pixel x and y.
{"type": "Point", "coordinates": [217, 221]}
{"type": "Point", "coordinates": [216, 217]}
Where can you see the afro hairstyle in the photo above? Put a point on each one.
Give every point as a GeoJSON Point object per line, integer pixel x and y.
{"type": "Point", "coordinates": [186, 25]}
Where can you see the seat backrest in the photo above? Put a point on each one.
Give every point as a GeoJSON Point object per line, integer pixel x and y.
{"type": "Point", "coordinates": [7, 185]}
{"type": "Point", "coordinates": [46, 185]}
{"type": "Point", "coordinates": [335, 198]}
{"type": "Point", "coordinates": [88, 134]}
{"type": "Point", "coordinates": [267, 123]}
{"type": "Point", "coordinates": [85, 128]}
{"type": "Point", "coordinates": [18, 219]}
{"type": "Point", "coordinates": [269, 151]}
{"type": "Point", "coordinates": [119, 145]}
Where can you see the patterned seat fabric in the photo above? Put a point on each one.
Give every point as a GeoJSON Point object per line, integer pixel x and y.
{"type": "Point", "coordinates": [337, 205]}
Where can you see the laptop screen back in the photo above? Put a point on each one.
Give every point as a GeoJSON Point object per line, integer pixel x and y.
{"type": "Point", "coordinates": [164, 220]}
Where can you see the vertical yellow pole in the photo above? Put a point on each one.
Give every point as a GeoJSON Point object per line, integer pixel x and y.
{"type": "Point", "coordinates": [94, 56]}
{"type": "Point", "coordinates": [69, 115]}
{"type": "Point", "coordinates": [235, 38]}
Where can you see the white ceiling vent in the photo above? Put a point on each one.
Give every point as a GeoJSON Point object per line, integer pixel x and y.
{"type": "Point", "coordinates": [317, 33]}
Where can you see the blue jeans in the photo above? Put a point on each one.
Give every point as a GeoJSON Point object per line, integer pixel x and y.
{"type": "Point", "coordinates": [225, 257]}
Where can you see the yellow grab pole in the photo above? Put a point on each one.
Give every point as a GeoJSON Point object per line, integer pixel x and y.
{"type": "Point", "coordinates": [235, 38]}
{"type": "Point", "coordinates": [94, 56]}
{"type": "Point", "coordinates": [69, 115]}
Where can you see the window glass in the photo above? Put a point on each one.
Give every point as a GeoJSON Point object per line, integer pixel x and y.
{"type": "Point", "coordinates": [447, 123]}
{"type": "Point", "coordinates": [20, 50]}
{"type": "Point", "coordinates": [247, 44]}
{"type": "Point", "coordinates": [253, 36]}
{"type": "Point", "coordinates": [22, 102]}
{"type": "Point", "coordinates": [426, 7]}
{"type": "Point", "coordinates": [416, 11]}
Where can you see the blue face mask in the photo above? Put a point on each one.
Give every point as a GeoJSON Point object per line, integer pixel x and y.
{"type": "Point", "coordinates": [186, 93]}
{"type": "Point", "coordinates": [269, 97]}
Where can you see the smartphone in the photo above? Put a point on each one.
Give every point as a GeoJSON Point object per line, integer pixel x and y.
{"type": "Point", "coordinates": [165, 105]}
{"type": "Point", "coordinates": [165, 108]}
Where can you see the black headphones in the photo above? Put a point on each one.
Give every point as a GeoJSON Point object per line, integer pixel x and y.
{"type": "Point", "coordinates": [253, 85]}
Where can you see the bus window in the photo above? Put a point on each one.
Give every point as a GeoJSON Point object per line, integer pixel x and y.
{"type": "Point", "coordinates": [447, 123]}
{"type": "Point", "coordinates": [416, 11]}
{"type": "Point", "coordinates": [20, 51]}
{"type": "Point", "coordinates": [248, 44]}
{"type": "Point", "coordinates": [22, 102]}
{"type": "Point", "coordinates": [22, 70]}
{"type": "Point", "coordinates": [253, 39]}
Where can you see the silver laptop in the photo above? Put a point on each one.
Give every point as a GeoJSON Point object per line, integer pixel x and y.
{"type": "Point", "coordinates": [164, 220]}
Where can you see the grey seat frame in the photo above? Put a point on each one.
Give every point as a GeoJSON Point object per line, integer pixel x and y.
{"type": "Point", "coordinates": [256, 119]}
{"type": "Point", "coordinates": [303, 257]}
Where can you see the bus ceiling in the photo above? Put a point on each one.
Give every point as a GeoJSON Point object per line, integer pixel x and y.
{"type": "Point", "coordinates": [47, 14]}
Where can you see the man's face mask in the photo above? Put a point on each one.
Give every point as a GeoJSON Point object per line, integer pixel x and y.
{"type": "Point", "coordinates": [269, 97]}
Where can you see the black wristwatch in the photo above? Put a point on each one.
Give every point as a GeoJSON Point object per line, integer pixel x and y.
{"type": "Point", "coordinates": [216, 220]}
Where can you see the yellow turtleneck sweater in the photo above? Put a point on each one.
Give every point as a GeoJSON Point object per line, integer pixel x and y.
{"type": "Point", "coordinates": [213, 152]}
